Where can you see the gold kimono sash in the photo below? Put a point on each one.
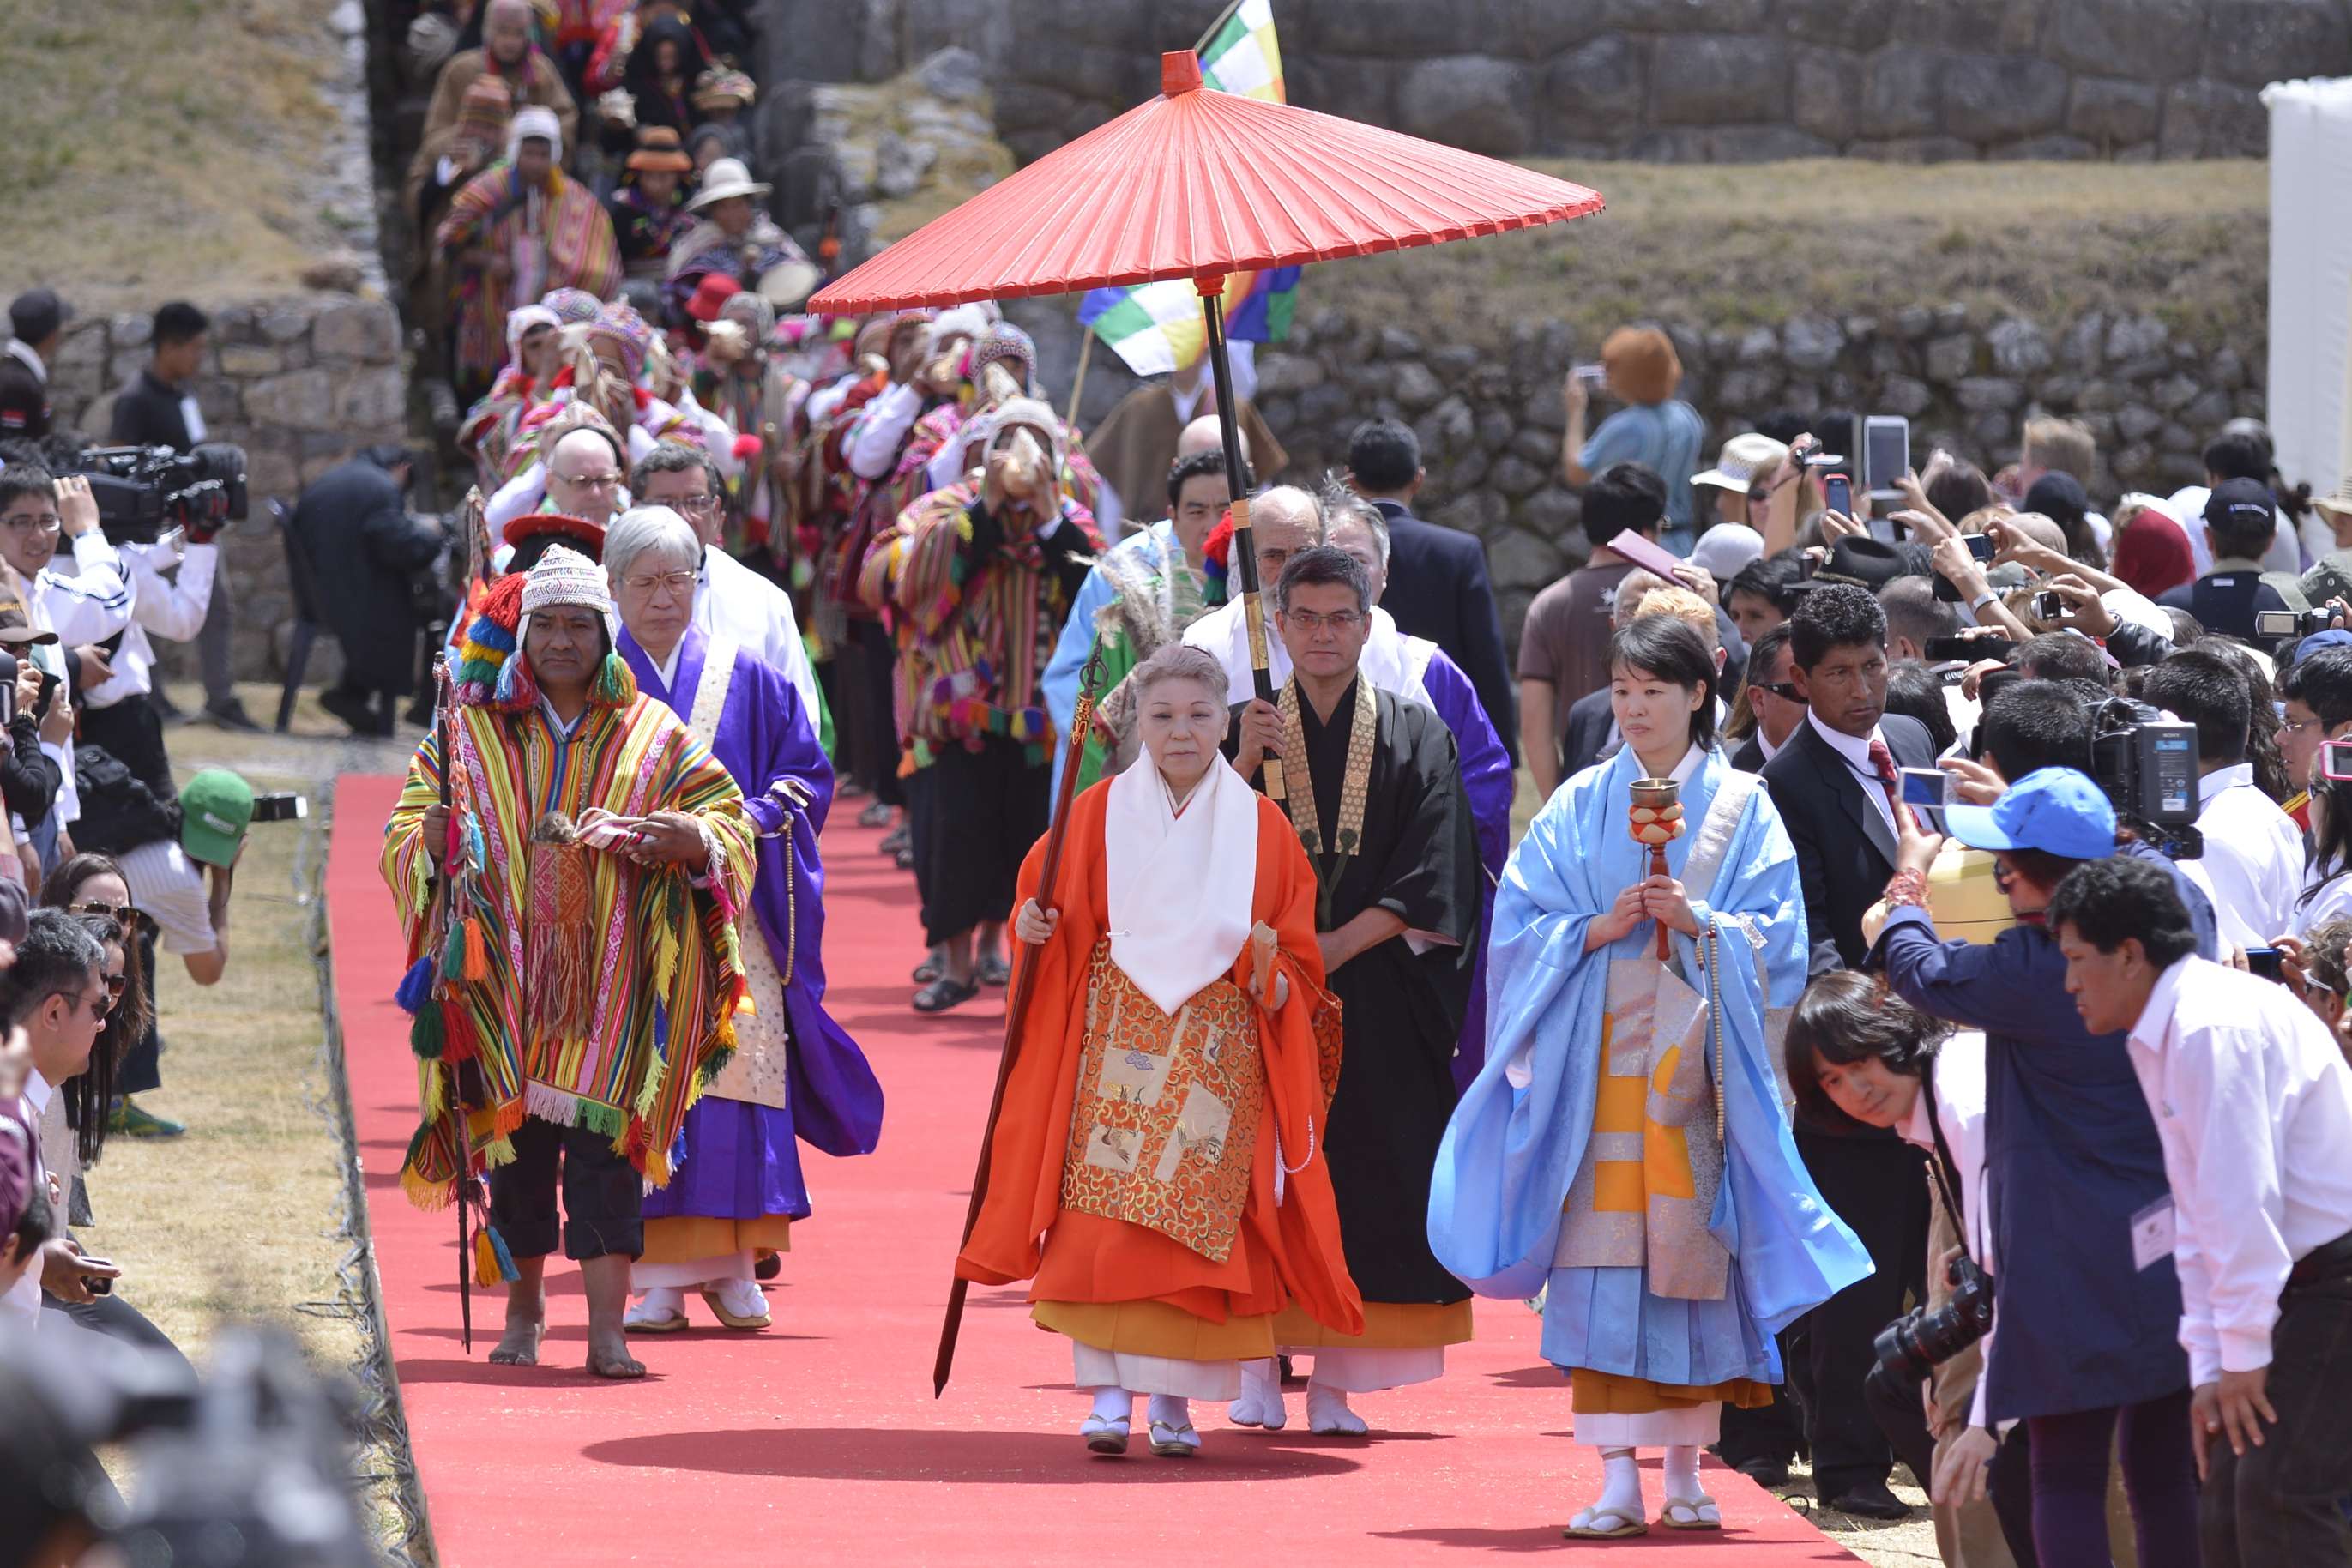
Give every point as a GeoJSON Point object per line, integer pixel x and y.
{"type": "Point", "coordinates": [1164, 1130]}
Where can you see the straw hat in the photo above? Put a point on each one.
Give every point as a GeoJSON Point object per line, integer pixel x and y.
{"type": "Point", "coordinates": [2337, 502]}
{"type": "Point", "coordinates": [1744, 459]}
{"type": "Point", "coordinates": [726, 177]}
{"type": "Point", "coordinates": [718, 85]}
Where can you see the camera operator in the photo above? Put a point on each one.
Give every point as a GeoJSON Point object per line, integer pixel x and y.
{"type": "Point", "coordinates": [1857, 1052]}
{"type": "Point", "coordinates": [30, 778]}
{"type": "Point", "coordinates": [2254, 1103]}
{"type": "Point", "coordinates": [2087, 1325]}
{"type": "Point", "coordinates": [38, 319]}
{"type": "Point", "coordinates": [2252, 864]}
{"type": "Point", "coordinates": [159, 409]}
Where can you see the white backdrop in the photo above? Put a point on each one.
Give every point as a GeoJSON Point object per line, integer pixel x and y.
{"type": "Point", "coordinates": [2310, 394]}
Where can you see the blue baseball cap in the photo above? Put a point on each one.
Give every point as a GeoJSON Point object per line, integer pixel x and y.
{"type": "Point", "coordinates": [2057, 811]}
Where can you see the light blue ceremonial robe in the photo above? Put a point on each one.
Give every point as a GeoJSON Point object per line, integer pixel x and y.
{"type": "Point", "coordinates": [1519, 1133]}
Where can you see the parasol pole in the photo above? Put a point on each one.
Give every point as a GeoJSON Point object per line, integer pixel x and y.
{"type": "Point", "coordinates": [1243, 565]}
{"type": "Point", "coordinates": [1078, 381]}
{"type": "Point", "coordinates": [1024, 986]}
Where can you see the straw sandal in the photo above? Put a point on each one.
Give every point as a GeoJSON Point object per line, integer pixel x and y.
{"type": "Point", "coordinates": [718, 1310]}
{"type": "Point", "coordinates": [1690, 1513]}
{"type": "Point", "coordinates": [1170, 1442]}
{"type": "Point", "coordinates": [1104, 1435]}
{"type": "Point", "coordinates": [1587, 1525]}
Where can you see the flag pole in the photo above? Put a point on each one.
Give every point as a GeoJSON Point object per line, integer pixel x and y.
{"type": "Point", "coordinates": [1217, 26]}
{"type": "Point", "coordinates": [1242, 568]}
{"type": "Point", "coordinates": [1078, 381]}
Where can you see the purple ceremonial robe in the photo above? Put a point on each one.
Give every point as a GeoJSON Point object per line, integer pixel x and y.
{"type": "Point", "coordinates": [741, 1161]}
{"type": "Point", "coordinates": [1488, 779]}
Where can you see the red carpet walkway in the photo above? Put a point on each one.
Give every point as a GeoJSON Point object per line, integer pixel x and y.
{"type": "Point", "coordinates": [818, 1440]}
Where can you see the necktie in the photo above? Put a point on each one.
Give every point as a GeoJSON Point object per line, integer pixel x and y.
{"type": "Point", "coordinates": [1883, 759]}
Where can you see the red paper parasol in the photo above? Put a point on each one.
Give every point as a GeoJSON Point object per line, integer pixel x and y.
{"type": "Point", "coordinates": [1197, 183]}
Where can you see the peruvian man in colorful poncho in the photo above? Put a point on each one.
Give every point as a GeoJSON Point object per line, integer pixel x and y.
{"type": "Point", "coordinates": [572, 919]}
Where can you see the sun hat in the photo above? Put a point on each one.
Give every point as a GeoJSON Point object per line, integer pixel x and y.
{"type": "Point", "coordinates": [2057, 811]}
{"type": "Point", "coordinates": [215, 808]}
{"type": "Point", "coordinates": [1726, 550]}
{"type": "Point", "coordinates": [1744, 459]}
{"type": "Point", "coordinates": [726, 177]}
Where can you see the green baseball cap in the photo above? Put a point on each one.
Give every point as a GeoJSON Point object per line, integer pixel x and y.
{"type": "Point", "coordinates": [215, 808]}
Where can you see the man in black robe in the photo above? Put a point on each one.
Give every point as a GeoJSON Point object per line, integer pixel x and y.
{"type": "Point", "coordinates": [1374, 788]}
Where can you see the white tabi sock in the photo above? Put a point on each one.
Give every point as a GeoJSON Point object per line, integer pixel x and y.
{"type": "Point", "coordinates": [1682, 1471]}
{"type": "Point", "coordinates": [1114, 1404]}
{"type": "Point", "coordinates": [1621, 1483]}
{"type": "Point", "coordinates": [1327, 1413]}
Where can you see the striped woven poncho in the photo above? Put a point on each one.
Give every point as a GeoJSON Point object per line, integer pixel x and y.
{"type": "Point", "coordinates": [662, 977]}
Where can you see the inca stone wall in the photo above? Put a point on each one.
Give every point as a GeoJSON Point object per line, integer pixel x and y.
{"type": "Point", "coordinates": [1489, 413]}
{"type": "Point", "coordinates": [300, 383]}
{"type": "Point", "coordinates": [1692, 81]}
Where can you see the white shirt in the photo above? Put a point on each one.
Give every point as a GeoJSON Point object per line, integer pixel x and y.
{"type": "Point", "coordinates": [2252, 864]}
{"type": "Point", "coordinates": [1764, 742]}
{"type": "Point", "coordinates": [1856, 753]}
{"type": "Point", "coordinates": [169, 886]}
{"type": "Point", "coordinates": [173, 610]}
{"type": "Point", "coordinates": [23, 1301]}
{"type": "Point", "coordinates": [733, 601]}
{"type": "Point", "coordinates": [1959, 1109]}
{"type": "Point", "coordinates": [2285, 554]}
{"type": "Point", "coordinates": [881, 430]}
{"type": "Point", "coordinates": [2332, 902]}
{"type": "Point", "coordinates": [2253, 1107]}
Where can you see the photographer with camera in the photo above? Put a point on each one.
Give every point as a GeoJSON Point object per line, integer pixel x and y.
{"type": "Point", "coordinates": [2253, 1102]}
{"type": "Point", "coordinates": [2252, 863]}
{"type": "Point", "coordinates": [354, 523]}
{"type": "Point", "coordinates": [2086, 1324]}
{"type": "Point", "coordinates": [1857, 1052]}
{"type": "Point", "coordinates": [159, 409]}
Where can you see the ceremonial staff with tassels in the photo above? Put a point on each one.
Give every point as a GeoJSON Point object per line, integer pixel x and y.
{"type": "Point", "coordinates": [1017, 1011]}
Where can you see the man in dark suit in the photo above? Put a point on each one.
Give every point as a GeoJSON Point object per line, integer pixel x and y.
{"type": "Point", "coordinates": [1837, 785]}
{"type": "Point", "coordinates": [1437, 575]}
{"type": "Point", "coordinates": [1772, 698]}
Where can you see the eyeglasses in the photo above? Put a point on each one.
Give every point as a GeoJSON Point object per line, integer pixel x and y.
{"type": "Point", "coordinates": [1337, 620]}
{"type": "Point", "coordinates": [679, 584]}
{"type": "Point", "coordinates": [36, 522]}
{"type": "Point", "coordinates": [698, 505]}
{"type": "Point", "coordinates": [100, 1002]}
{"type": "Point", "coordinates": [2297, 726]}
{"type": "Point", "coordinates": [592, 481]}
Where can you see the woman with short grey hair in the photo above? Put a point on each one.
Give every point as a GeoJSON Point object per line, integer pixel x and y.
{"type": "Point", "coordinates": [657, 529]}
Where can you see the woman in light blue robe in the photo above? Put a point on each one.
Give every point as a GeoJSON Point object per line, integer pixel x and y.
{"type": "Point", "coordinates": [1669, 1256]}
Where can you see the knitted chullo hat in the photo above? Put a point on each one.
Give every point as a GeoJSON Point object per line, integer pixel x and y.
{"type": "Point", "coordinates": [620, 325]}
{"type": "Point", "coordinates": [572, 305]}
{"type": "Point", "coordinates": [1006, 345]}
{"type": "Point", "coordinates": [489, 673]}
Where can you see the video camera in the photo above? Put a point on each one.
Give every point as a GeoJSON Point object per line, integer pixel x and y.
{"type": "Point", "coordinates": [2146, 765]}
{"type": "Point", "coordinates": [143, 490]}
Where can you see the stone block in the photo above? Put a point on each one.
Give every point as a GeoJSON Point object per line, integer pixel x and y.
{"type": "Point", "coordinates": [1748, 388]}
{"type": "Point", "coordinates": [300, 400]}
{"type": "Point", "coordinates": [282, 324]}
{"type": "Point", "coordinates": [1552, 511]}
{"type": "Point", "coordinates": [1900, 91]}
{"type": "Point", "coordinates": [1990, 98]}
{"type": "Point", "coordinates": [2044, 150]}
{"type": "Point", "coordinates": [1811, 343]}
{"type": "Point", "coordinates": [1950, 358]}
{"type": "Point", "coordinates": [2136, 337]}
{"type": "Point", "coordinates": [271, 471]}
{"type": "Point", "coordinates": [1470, 101]}
{"type": "Point", "coordinates": [1916, 150]}
{"type": "Point", "coordinates": [1991, 431]}
{"type": "Point", "coordinates": [2173, 393]}
{"type": "Point", "coordinates": [2226, 369]}
{"type": "Point", "coordinates": [1522, 558]}
{"type": "Point", "coordinates": [2019, 347]}
{"type": "Point", "coordinates": [1764, 144]}
{"type": "Point", "coordinates": [1546, 410]}
{"type": "Point", "coordinates": [1479, 511]}
{"type": "Point", "coordinates": [366, 331]}
{"type": "Point", "coordinates": [2256, 42]}
{"type": "Point", "coordinates": [1823, 99]}
{"type": "Point", "coordinates": [1707, 79]}
{"type": "Point", "coordinates": [2112, 113]}
{"type": "Point", "coordinates": [1904, 394]}
{"type": "Point", "coordinates": [1987, 394]}
{"type": "Point", "coordinates": [375, 399]}
{"type": "Point", "coordinates": [2085, 343]}
{"type": "Point", "coordinates": [956, 74]}
{"type": "Point", "coordinates": [127, 330]}
{"type": "Point", "coordinates": [2005, 26]}
{"type": "Point", "coordinates": [2146, 40]}
{"type": "Point", "coordinates": [2137, 422]}
{"type": "Point", "coordinates": [2212, 119]}
{"type": "Point", "coordinates": [1342, 84]}
{"type": "Point", "coordinates": [85, 346]}
{"type": "Point", "coordinates": [1495, 431]}
{"type": "Point", "coordinates": [1280, 374]}
{"type": "Point", "coordinates": [1597, 90]}
{"type": "Point", "coordinates": [1414, 30]}
{"type": "Point", "coordinates": [1913, 322]}
{"type": "Point", "coordinates": [218, 400]}
{"type": "Point", "coordinates": [1860, 25]}
{"type": "Point", "coordinates": [1515, 477]}
{"type": "Point", "coordinates": [1466, 472]}
{"type": "Point", "coordinates": [250, 360]}
{"type": "Point", "coordinates": [1447, 430]}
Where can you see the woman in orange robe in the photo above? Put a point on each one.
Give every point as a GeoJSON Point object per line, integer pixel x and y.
{"type": "Point", "coordinates": [1156, 1170]}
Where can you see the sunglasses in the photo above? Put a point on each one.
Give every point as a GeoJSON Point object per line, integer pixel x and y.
{"type": "Point", "coordinates": [1786, 690]}
{"type": "Point", "coordinates": [128, 916]}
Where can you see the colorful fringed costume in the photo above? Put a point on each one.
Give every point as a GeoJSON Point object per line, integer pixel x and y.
{"type": "Point", "coordinates": [553, 979]}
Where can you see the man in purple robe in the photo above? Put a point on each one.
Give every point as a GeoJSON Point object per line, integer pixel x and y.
{"type": "Point", "coordinates": [796, 1075]}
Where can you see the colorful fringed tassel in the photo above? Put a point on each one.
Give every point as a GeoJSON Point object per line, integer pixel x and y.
{"type": "Point", "coordinates": [493, 1264]}
{"type": "Point", "coordinates": [415, 987]}
{"type": "Point", "coordinates": [477, 951]}
{"type": "Point", "coordinates": [453, 950]}
{"type": "Point", "coordinates": [426, 1037]}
